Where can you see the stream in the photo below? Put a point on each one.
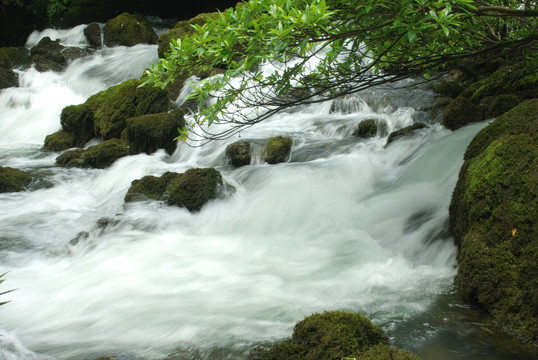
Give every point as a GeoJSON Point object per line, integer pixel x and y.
{"type": "Point", "coordinates": [345, 224]}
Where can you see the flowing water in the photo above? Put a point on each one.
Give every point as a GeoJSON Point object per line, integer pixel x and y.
{"type": "Point", "coordinates": [346, 224]}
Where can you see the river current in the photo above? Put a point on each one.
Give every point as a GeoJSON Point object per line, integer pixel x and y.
{"type": "Point", "coordinates": [345, 224]}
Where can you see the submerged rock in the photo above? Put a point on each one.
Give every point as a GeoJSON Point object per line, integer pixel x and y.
{"type": "Point", "coordinates": [366, 129]}
{"type": "Point", "coordinates": [493, 220]}
{"type": "Point", "coordinates": [128, 30]}
{"type": "Point", "coordinates": [148, 133]}
{"type": "Point", "coordinates": [278, 149]}
{"type": "Point", "coordinates": [13, 180]}
{"type": "Point", "coordinates": [335, 335]}
{"type": "Point", "coordinates": [98, 156]}
{"type": "Point", "coordinates": [404, 131]}
{"type": "Point", "coordinates": [191, 190]}
{"type": "Point", "coordinates": [239, 153]}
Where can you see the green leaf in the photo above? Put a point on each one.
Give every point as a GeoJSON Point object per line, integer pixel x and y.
{"type": "Point", "coordinates": [411, 35]}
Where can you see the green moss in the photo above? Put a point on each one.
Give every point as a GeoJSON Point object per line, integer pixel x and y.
{"type": "Point", "coordinates": [13, 180]}
{"type": "Point", "coordinates": [278, 149]}
{"type": "Point", "coordinates": [449, 89]}
{"type": "Point", "coordinates": [14, 57]}
{"type": "Point", "coordinates": [149, 187]}
{"type": "Point", "coordinates": [8, 78]}
{"type": "Point", "coordinates": [239, 153]}
{"type": "Point", "coordinates": [405, 131]}
{"type": "Point", "coordinates": [59, 141]}
{"type": "Point", "coordinates": [335, 335]}
{"type": "Point", "coordinates": [148, 133]}
{"type": "Point", "coordinates": [460, 112]}
{"type": "Point", "coordinates": [98, 156]}
{"type": "Point", "coordinates": [194, 188]}
{"type": "Point", "coordinates": [128, 30]}
{"type": "Point", "coordinates": [366, 128]}
{"type": "Point", "coordinates": [493, 219]}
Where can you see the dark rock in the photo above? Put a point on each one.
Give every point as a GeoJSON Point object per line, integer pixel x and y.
{"type": "Point", "coordinates": [449, 89]}
{"type": "Point", "coordinates": [47, 55]}
{"type": "Point", "coordinates": [59, 141]}
{"type": "Point", "coordinates": [128, 30]}
{"type": "Point", "coordinates": [8, 78]}
{"type": "Point", "coordinates": [278, 149]}
{"type": "Point", "coordinates": [404, 131]}
{"type": "Point", "coordinates": [194, 188]}
{"type": "Point", "coordinates": [239, 153]}
{"type": "Point", "coordinates": [93, 35]}
{"type": "Point", "coordinates": [15, 57]}
{"type": "Point", "coordinates": [366, 129]}
{"type": "Point", "coordinates": [501, 104]}
{"type": "Point", "coordinates": [149, 187]}
{"type": "Point", "coordinates": [148, 133]}
{"type": "Point", "coordinates": [98, 156]}
{"type": "Point", "coordinates": [460, 112]}
{"type": "Point", "coordinates": [493, 221]}
{"type": "Point", "coordinates": [13, 180]}
{"type": "Point", "coordinates": [336, 335]}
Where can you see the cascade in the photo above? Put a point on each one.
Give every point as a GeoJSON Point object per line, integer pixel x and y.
{"type": "Point", "coordinates": [346, 223]}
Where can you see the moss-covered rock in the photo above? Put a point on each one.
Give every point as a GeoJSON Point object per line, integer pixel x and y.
{"type": "Point", "coordinates": [450, 88]}
{"type": "Point", "coordinates": [148, 133]}
{"type": "Point", "coordinates": [460, 112]}
{"type": "Point", "coordinates": [335, 335]}
{"type": "Point", "coordinates": [98, 156]}
{"type": "Point", "coordinates": [47, 55]}
{"type": "Point", "coordinates": [8, 78]}
{"type": "Point", "coordinates": [15, 57]}
{"type": "Point", "coordinates": [128, 30]}
{"type": "Point", "coordinates": [93, 35]}
{"type": "Point", "coordinates": [405, 131]}
{"type": "Point", "coordinates": [59, 141]}
{"type": "Point", "coordinates": [238, 153]}
{"type": "Point", "coordinates": [501, 104]}
{"type": "Point", "coordinates": [194, 188]}
{"type": "Point", "coordinates": [13, 180]}
{"type": "Point", "coordinates": [182, 29]}
{"type": "Point", "coordinates": [366, 129]}
{"type": "Point", "coordinates": [278, 149]}
{"type": "Point", "coordinates": [493, 220]}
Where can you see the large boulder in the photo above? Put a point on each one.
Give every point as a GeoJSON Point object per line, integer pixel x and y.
{"type": "Point", "coordinates": [460, 112]}
{"type": "Point", "coordinates": [148, 133]}
{"type": "Point", "coordinates": [238, 153]}
{"type": "Point", "coordinates": [98, 156]}
{"type": "Point", "coordinates": [335, 335]}
{"type": "Point", "coordinates": [448, 88]}
{"type": "Point", "coordinates": [15, 57]}
{"type": "Point", "coordinates": [105, 113]}
{"type": "Point", "coordinates": [8, 78]}
{"type": "Point", "coordinates": [59, 141]}
{"type": "Point", "coordinates": [191, 190]}
{"type": "Point", "coordinates": [493, 220]}
{"type": "Point", "coordinates": [93, 35]}
{"type": "Point", "coordinates": [128, 30]}
{"type": "Point", "coordinates": [47, 55]}
{"type": "Point", "coordinates": [366, 129]}
{"type": "Point", "coordinates": [13, 180]}
{"type": "Point", "coordinates": [278, 149]}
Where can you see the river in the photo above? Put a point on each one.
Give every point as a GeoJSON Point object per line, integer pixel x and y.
{"type": "Point", "coordinates": [345, 224]}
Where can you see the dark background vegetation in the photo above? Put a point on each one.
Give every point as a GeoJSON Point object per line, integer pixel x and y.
{"type": "Point", "coordinates": [18, 18]}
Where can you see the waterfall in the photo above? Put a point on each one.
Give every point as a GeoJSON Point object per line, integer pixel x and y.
{"type": "Point", "coordinates": [346, 223]}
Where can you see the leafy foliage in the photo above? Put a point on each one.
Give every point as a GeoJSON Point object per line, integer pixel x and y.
{"type": "Point", "coordinates": [274, 50]}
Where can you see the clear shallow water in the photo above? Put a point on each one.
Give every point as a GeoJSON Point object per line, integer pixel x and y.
{"type": "Point", "coordinates": [345, 224]}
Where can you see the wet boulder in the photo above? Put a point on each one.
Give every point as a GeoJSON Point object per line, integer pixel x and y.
{"type": "Point", "coordinates": [128, 30]}
{"type": "Point", "coordinates": [148, 133]}
{"type": "Point", "coordinates": [47, 55]}
{"type": "Point", "coordinates": [15, 57]}
{"type": "Point", "coordinates": [59, 141]}
{"type": "Point", "coordinates": [182, 29]}
{"type": "Point", "coordinates": [405, 131]}
{"type": "Point", "coordinates": [500, 104]}
{"type": "Point", "coordinates": [8, 78]}
{"type": "Point", "coordinates": [278, 150]}
{"type": "Point", "coordinates": [238, 153]}
{"type": "Point", "coordinates": [98, 156]}
{"type": "Point", "coordinates": [335, 335]}
{"type": "Point", "coordinates": [448, 89]}
{"type": "Point", "coordinates": [492, 217]}
{"type": "Point", "coordinates": [191, 190]}
{"type": "Point", "coordinates": [460, 112]}
{"type": "Point", "coordinates": [13, 180]}
{"type": "Point", "coordinates": [93, 35]}
{"type": "Point", "coordinates": [366, 129]}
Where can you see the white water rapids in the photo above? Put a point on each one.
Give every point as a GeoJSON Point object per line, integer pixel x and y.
{"type": "Point", "coordinates": [345, 224]}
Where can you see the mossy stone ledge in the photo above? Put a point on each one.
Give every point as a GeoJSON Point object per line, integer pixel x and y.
{"type": "Point", "coordinates": [335, 335]}
{"type": "Point", "coordinates": [98, 156]}
{"type": "Point", "coordinates": [128, 30]}
{"type": "Point", "coordinates": [493, 220]}
{"type": "Point", "coordinates": [13, 180]}
{"type": "Point", "coordinates": [59, 141]}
